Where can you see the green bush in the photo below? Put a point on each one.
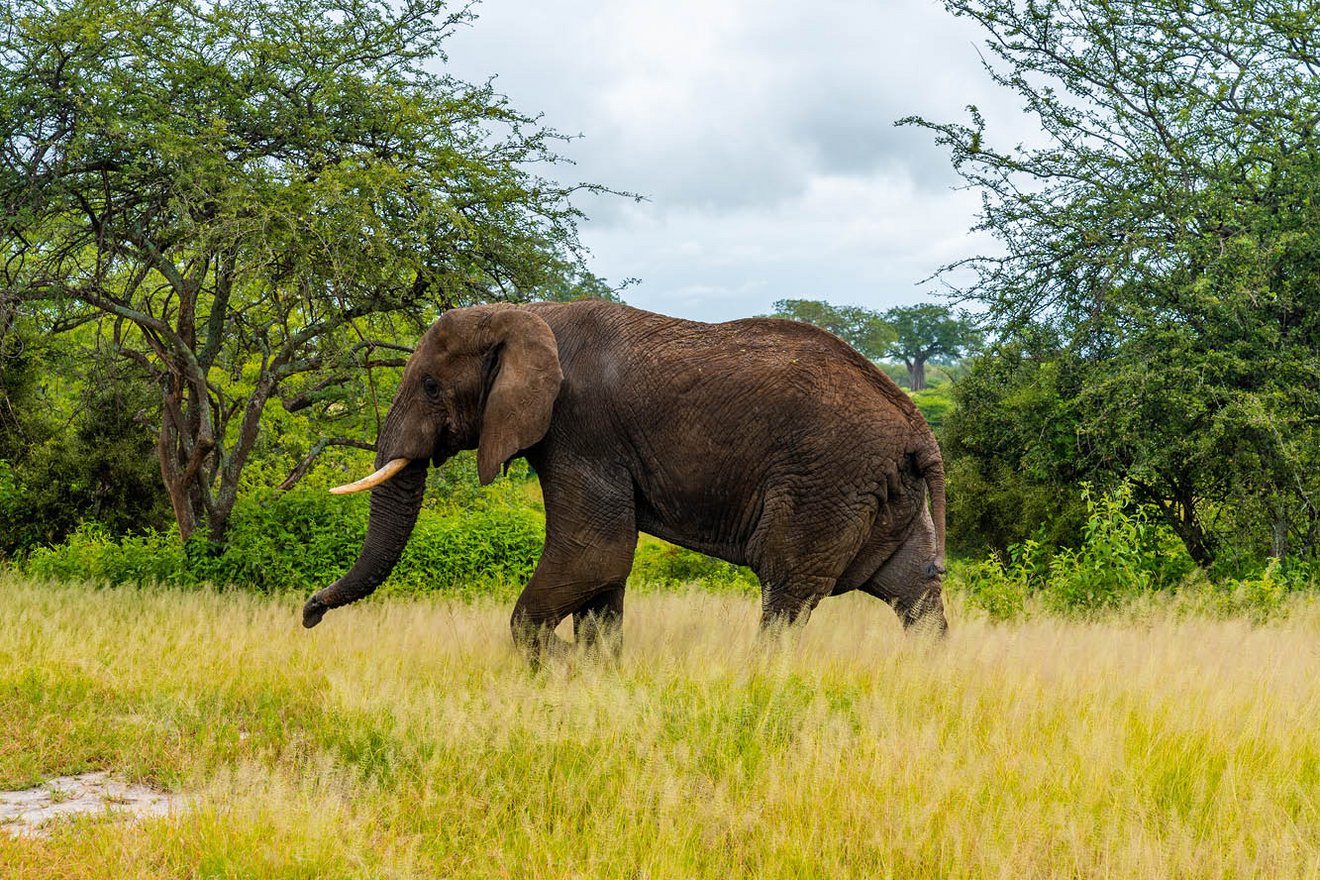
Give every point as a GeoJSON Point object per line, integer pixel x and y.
{"type": "Point", "coordinates": [91, 553]}
{"type": "Point", "coordinates": [658, 563]}
{"type": "Point", "coordinates": [1260, 597]}
{"type": "Point", "coordinates": [1000, 586]}
{"type": "Point", "coordinates": [470, 552]}
{"type": "Point", "coordinates": [935, 405]}
{"type": "Point", "coordinates": [1124, 552]}
{"type": "Point", "coordinates": [304, 539]}
{"type": "Point", "coordinates": [301, 541]}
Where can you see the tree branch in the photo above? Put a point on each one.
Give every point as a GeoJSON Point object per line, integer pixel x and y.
{"type": "Point", "coordinates": [317, 448]}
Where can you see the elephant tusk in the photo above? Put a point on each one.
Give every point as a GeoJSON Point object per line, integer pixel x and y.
{"type": "Point", "coordinates": [391, 468]}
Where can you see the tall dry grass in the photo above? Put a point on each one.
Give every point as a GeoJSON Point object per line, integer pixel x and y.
{"type": "Point", "coordinates": [405, 739]}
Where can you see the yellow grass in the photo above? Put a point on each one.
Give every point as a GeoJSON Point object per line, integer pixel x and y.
{"type": "Point", "coordinates": [405, 739]}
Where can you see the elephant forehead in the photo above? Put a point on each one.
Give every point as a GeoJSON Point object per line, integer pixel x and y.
{"type": "Point", "coordinates": [437, 333]}
{"type": "Point", "coordinates": [459, 326]}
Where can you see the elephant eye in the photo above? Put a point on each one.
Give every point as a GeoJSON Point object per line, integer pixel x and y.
{"type": "Point", "coordinates": [431, 387]}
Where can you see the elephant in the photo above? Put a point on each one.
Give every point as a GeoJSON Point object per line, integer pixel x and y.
{"type": "Point", "coordinates": [764, 442]}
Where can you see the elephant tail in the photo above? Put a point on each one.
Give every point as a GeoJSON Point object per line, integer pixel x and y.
{"type": "Point", "coordinates": [931, 466]}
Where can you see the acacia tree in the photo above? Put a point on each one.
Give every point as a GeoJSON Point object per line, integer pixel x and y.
{"type": "Point", "coordinates": [248, 195]}
{"type": "Point", "coordinates": [925, 333]}
{"type": "Point", "coordinates": [1166, 229]}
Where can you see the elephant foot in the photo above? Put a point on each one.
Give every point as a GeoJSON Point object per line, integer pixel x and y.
{"type": "Point", "coordinates": [539, 645]}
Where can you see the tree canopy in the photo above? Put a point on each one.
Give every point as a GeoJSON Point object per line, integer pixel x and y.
{"type": "Point", "coordinates": [1165, 227]}
{"type": "Point", "coordinates": [863, 329]}
{"type": "Point", "coordinates": [247, 197]}
{"type": "Point", "coordinates": [914, 335]}
{"type": "Point", "coordinates": [928, 332]}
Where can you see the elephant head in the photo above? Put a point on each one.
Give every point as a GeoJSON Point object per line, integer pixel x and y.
{"type": "Point", "coordinates": [484, 377]}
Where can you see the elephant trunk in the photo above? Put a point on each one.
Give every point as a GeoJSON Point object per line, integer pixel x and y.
{"type": "Point", "coordinates": [394, 508]}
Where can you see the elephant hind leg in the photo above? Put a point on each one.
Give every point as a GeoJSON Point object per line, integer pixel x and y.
{"type": "Point", "coordinates": [800, 549]}
{"type": "Point", "coordinates": [790, 601]}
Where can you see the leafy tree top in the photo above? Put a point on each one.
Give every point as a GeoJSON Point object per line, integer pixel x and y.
{"type": "Point", "coordinates": [861, 328]}
{"type": "Point", "coordinates": [1172, 135]}
{"type": "Point", "coordinates": [1163, 224]}
{"type": "Point", "coordinates": [929, 332]}
{"type": "Point", "coordinates": [245, 192]}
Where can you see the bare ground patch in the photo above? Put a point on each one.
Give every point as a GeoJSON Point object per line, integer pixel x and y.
{"type": "Point", "coordinates": [28, 812]}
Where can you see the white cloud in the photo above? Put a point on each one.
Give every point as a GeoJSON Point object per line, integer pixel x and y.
{"type": "Point", "coordinates": [761, 133]}
{"type": "Point", "coordinates": [862, 240]}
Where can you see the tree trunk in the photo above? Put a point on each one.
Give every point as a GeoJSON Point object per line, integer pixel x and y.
{"type": "Point", "coordinates": [917, 374]}
{"type": "Point", "coordinates": [181, 481]}
{"type": "Point", "coordinates": [1279, 531]}
{"type": "Point", "coordinates": [1187, 526]}
{"type": "Point", "coordinates": [186, 446]}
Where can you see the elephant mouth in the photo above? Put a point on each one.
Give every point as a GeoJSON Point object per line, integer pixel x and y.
{"type": "Point", "coordinates": [383, 475]}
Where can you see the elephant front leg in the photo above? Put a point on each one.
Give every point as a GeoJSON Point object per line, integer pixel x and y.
{"type": "Point", "coordinates": [586, 582]}
{"type": "Point", "coordinates": [590, 538]}
{"type": "Point", "coordinates": [598, 625]}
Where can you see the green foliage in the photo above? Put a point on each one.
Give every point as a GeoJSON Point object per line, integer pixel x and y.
{"type": "Point", "coordinates": [1263, 596]}
{"type": "Point", "coordinates": [73, 446]}
{"type": "Point", "coordinates": [1162, 230]}
{"type": "Point", "coordinates": [1011, 451]}
{"type": "Point", "coordinates": [91, 553]}
{"type": "Point", "coordinates": [257, 199]}
{"type": "Point", "coordinates": [997, 586]}
{"type": "Point", "coordinates": [935, 404]}
{"type": "Point", "coordinates": [1123, 553]}
{"type": "Point", "coordinates": [660, 564]}
{"type": "Point", "coordinates": [468, 542]}
{"type": "Point", "coordinates": [470, 553]}
{"type": "Point", "coordinates": [1260, 598]}
{"type": "Point", "coordinates": [302, 541]}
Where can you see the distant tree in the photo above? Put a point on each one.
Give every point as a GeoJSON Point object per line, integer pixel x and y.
{"type": "Point", "coordinates": [248, 197]}
{"type": "Point", "coordinates": [928, 333]}
{"type": "Point", "coordinates": [1163, 225]}
{"type": "Point", "coordinates": [863, 329]}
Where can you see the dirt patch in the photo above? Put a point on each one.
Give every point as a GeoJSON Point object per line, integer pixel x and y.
{"type": "Point", "coordinates": [26, 813]}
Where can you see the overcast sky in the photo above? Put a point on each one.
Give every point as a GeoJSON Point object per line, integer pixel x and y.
{"type": "Point", "coordinates": [761, 133]}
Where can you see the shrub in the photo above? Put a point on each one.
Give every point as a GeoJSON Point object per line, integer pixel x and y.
{"type": "Point", "coordinates": [303, 540]}
{"type": "Point", "coordinates": [935, 405]}
{"type": "Point", "coordinates": [470, 552]}
{"type": "Point", "coordinates": [1001, 586]}
{"type": "Point", "coordinates": [1124, 552]}
{"type": "Point", "coordinates": [90, 553]}
{"type": "Point", "coordinates": [662, 564]}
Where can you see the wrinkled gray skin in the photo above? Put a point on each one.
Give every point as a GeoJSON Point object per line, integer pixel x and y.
{"type": "Point", "coordinates": [767, 443]}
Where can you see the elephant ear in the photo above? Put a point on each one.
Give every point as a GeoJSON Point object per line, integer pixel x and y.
{"type": "Point", "coordinates": [522, 395]}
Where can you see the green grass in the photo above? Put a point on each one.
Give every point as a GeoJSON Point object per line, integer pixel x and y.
{"type": "Point", "coordinates": [403, 738]}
